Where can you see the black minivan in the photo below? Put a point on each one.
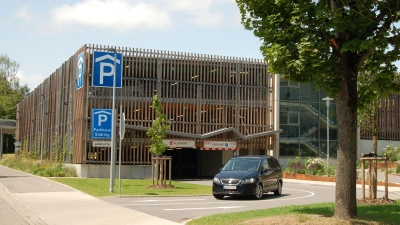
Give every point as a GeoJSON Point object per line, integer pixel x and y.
{"type": "Point", "coordinates": [248, 176]}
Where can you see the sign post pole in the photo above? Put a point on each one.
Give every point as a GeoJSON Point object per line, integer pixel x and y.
{"type": "Point", "coordinates": [102, 78]}
{"type": "Point", "coordinates": [121, 136]}
{"type": "Point", "coordinates": [112, 162]}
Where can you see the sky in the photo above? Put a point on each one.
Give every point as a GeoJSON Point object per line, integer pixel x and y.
{"type": "Point", "coordinates": [42, 34]}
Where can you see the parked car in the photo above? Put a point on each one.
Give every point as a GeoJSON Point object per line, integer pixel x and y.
{"type": "Point", "coordinates": [248, 176]}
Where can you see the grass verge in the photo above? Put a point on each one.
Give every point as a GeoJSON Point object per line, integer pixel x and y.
{"type": "Point", "coordinates": [99, 187]}
{"type": "Point", "coordinates": [367, 214]}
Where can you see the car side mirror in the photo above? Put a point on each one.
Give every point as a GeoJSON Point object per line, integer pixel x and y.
{"type": "Point", "coordinates": [265, 170]}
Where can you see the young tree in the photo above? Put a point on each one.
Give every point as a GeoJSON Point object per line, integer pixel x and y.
{"type": "Point", "coordinates": [368, 119]}
{"type": "Point", "coordinates": [158, 132]}
{"type": "Point", "coordinates": [10, 90]}
{"type": "Point", "coordinates": [368, 110]}
{"type": "Point", "coordinates": [330, 42]}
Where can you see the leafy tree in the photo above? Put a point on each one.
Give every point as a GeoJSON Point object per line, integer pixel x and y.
{"type": "Point", "coordinates": [368, 119]}
{"type": "Point", "coordinates": [10, 90]}
{"type": "Point", "coordinates": [368, 111]}
{"type": "Point", "coordinates": [370, 94]}
{"type": "Point", "coordinates": [331, 42]}
{"type": "Point", "coordinates": [158, 131]}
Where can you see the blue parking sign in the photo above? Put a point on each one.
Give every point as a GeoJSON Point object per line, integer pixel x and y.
{"type": "Point", "coordinates": [104, 71]}
{"type": "Point", "coordinates": [101, 123]}
{"type": "Point", "coordinates": [80, 69]}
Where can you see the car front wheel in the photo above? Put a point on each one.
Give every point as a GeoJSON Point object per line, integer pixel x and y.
{"type": "Point", "coordinates": [279, 190]}
{"type": "Point", "coordinates": [259, 192]}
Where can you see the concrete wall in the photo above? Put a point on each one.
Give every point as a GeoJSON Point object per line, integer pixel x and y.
{"type": "Point", "coordinates": [365, 146]}
{"type": "Point", "coordinates": [103, 171]}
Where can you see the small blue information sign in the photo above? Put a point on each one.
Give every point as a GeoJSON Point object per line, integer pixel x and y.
{"type": "Point", "coordinates": [101, 123]}
{"type": "Point", "coordinates": [79, 72]}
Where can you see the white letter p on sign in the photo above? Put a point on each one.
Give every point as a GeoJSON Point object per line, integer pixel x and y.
{"type": "Point", "coordinates": [102, 118]}
{"type": "Point", "coordinates": [102, 73]}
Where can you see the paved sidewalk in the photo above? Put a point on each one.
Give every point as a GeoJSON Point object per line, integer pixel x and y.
{"type": "Point", "coordinates": [42, 201]}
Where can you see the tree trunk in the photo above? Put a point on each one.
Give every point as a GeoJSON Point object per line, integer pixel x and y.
{"type": "Point", "coordinates": [346, 111]}
{"type": "Point", "coordinates": [157, 170]}
{"type": "Point", "coordinates": [161, 172]}
{"type": "Point", "coordinates": [374, 170]}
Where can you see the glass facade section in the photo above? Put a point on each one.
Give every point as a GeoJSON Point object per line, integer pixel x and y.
{"type": "Point", "coordinates": [303, 119]}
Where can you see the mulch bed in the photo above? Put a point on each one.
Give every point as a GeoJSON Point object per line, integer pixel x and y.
{"type": "Point", "coordinates": [161, 187]}
{"type": "Point", "coordinates": [377, 201]}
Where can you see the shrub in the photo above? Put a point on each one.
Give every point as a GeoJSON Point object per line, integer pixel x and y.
{"type": "Point", "coordinates": [314, 165]}
{"type": "Point", "coordinates": [392, 152]}
{"type": "Point", "coordinates": [398, 169]}
{"type": "Point", "coordinates": [28, 163]}
{"type": "Point", "coordinates": [70, 171]}
{"type": "Point", "coordinates": [296, 166]}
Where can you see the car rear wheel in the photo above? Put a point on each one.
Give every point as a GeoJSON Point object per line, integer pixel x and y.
{"type": "Point", "coordinates": [259, 192]}
{"type": "Point", "coordinates": [218, 196]}
{"type": "Point", "coordinates": [279, 190]}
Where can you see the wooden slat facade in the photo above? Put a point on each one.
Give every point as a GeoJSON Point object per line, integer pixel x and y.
{"type": "Point", "coordinates": [388, 120]}
{"type": "Point", "coordinates": [200, 94]}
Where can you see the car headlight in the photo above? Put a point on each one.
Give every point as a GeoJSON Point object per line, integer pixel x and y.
{"type": "Point", "coordinates": [216, 180]}
{"type": "Point", "coordinates": [249, 180]}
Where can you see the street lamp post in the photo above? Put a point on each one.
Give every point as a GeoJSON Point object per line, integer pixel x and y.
{"type": "Point", "coordinates": [327, 99]}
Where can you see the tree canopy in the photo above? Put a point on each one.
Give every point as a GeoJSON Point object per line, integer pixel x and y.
{"type": "Point", "coordinates": [332, 42]}
{"type": "Point", "coordinates": [10, 90]}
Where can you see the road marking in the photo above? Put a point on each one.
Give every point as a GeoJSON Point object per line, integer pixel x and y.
{"type": "Point", "coordinates": [172, 203]}
{"type": "Point", "coordinates": [284, 199]}
{"type": "Point", "coordinates": [220, 207]}
{"type": "Point", "coordinates": [170, 200]}
{"type": "Point", "coordinates": [148, 202]}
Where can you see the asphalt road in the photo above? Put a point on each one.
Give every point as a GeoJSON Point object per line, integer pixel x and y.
{"type": "Point", "coordinates": [181, 209]}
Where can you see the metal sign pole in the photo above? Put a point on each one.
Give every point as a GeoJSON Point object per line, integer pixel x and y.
{"type": "Point", "coordinates": [112, 161]}
{"type": "Point", "coordinates": [121, 136]}
{"type": "Point", "coordinates": [120, 145]}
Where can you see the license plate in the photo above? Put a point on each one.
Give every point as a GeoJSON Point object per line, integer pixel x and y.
{"type": "Point", "coordinates": [230, 187]}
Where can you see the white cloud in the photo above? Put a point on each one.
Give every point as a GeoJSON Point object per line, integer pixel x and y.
{"type": "Point", "coordinates": [127, 15]}
{"type": "Point", "coordinates": [203, 13]}
{"type": "Point", "coordinates": [23, 14]}
{"type": "Point", "coordinates": [32, 80]}
{"type": "Point", "coordinates": [117, 15]}
{"type": "Point", "coordinates": [124, 15]}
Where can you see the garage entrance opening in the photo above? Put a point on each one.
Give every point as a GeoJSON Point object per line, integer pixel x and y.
{"type": "Point", "coordinates": [184, 163]}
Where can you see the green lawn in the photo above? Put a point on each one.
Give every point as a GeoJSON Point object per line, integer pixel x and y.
{"type": "Point", "coordinates": [367, 214]}
{"type": "Point", "coordinates": [99, 187]}
{"type": "Point", "coordinates": [384, 214]}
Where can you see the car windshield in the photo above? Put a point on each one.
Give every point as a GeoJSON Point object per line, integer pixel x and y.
{"type": "Point", "coordinates": [238, 164]}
